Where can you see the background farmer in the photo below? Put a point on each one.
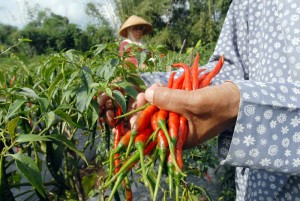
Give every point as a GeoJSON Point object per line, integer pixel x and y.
{"type": "Point", "coordinates": [133, 30]}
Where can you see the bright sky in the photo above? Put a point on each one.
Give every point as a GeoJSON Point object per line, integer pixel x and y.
{"type": "Point", "coordinates": [14, 12]}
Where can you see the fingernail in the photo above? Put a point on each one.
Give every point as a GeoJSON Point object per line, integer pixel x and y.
{"type": "Point", "coordinates": [149, 95]}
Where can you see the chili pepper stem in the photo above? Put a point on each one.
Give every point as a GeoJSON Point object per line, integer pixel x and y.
{"type": "Point", "coordinates": [128, 191]}
{"type": "Point", "coordinates": [132, 136]}
{"type": "Point", "coordinates": [110, 173]}
{"type": "Point", "coordinates": [171, 175]}
{"type": "Point", "coordinates": [144, 174]}
{"type": "Point", "coordinates": [133, 111]}
{"type": "Point", "coordinates": [117, 184]}
{"type": "Point", "coordinates": [162, 125]}
{"type": "Point", "coordinates": [177, 185]}
{"type": "Point", "coordinates": [153, 136]}
{"type": "Point", "coordinates": [162, 156]}
{"type": "Point", "coordinates": [151, 185]}
{"type": "Point", "coordinates": [124, 167]}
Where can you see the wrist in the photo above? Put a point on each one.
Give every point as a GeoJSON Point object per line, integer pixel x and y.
{"type": "Point", "coordinates": [234, 100]}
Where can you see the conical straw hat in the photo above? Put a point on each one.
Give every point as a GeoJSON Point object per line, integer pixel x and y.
{"type": "Point", "coordinates": [134, 20]}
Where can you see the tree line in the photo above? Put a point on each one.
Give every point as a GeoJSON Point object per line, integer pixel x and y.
{"type": "Point", "coordinates": [178, 24]}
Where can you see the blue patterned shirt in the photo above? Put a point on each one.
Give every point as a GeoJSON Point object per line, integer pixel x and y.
{"type": "Point", "coordinates": [260, 40]}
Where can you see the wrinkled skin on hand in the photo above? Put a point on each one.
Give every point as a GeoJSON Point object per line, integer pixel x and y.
{"type": "Point", "coordinates": [209, 110]}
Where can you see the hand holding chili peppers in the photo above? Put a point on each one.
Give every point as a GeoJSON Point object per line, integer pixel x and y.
{"type": "Point", "coordinates": [209, 110]}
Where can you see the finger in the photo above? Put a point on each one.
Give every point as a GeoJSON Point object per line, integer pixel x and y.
{"type": "Point", "coordinates": [150, 92]}
{"type": "Point", "coordinates": [132, 120]}
{"type": "Point", "coordinates": [140, 100]}
{"type": "Point", "coordinates": [110, 118]}
{"type": "Point", "coordinates": [103, 97]}
{"type": "Point", "coordinates": [109, 104]}
{"type": "Point", "coordinates": [168, 99]}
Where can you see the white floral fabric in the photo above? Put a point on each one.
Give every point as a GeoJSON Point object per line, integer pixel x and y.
{"type": "Point", "coordinates": [260, 40]}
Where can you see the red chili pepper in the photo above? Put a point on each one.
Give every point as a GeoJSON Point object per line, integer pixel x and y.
{"type": "Point", "coordinates": [154, 123]}
{"type": "Point", "coordinates": [119, 132]}
{"type": "Point", "coordinates": [177, 84]}
{"type": "Point", "coordinates": [214, 72]}
{"type": "Point", "coordinates": [194, 72]}
{"type": "Point", "coordinates": [142, 122]}
{"type": "Point", "coordinates": [173, 125]}
{"type": "Point", "coordinates": [143, 136]}
{"type": "Point", "coordinates": [140, 141]}
{"type": "Point", "coordinates": [200, 80]}
{"type": "Point", "coordinates": [162, 146]}
{"type": "Point", "coordinates": [144, 118]}
{"type": "Point", "coordinates": [182, 134]}
{"type": "Point", "coordinates": [161, 121]}
{"type": "Point", "coordinates": [123, 143]}
{"type": "Point", "coordinates": [187, 80]}
{"type": "Point", "coordinates": [171, 80]}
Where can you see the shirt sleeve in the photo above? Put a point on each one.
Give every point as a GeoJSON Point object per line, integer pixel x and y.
{"type": "Point", "coordinates": [267, 131]}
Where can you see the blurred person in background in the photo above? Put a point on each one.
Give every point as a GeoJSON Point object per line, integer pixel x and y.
{"type": "Point", "coordinates": [133, 30]}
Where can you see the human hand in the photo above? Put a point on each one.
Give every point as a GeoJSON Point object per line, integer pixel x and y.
{"type": "Point", "coordinates": [108, 111]}
{"type": "Point", "coordinates": [209, 110]}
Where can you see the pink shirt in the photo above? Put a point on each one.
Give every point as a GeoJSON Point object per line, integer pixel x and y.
{"type": "Point", "coordinates": [122, 49]}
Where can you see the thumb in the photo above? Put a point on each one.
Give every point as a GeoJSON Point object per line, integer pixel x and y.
{"type": "Point", "coordinates": [168, 99]}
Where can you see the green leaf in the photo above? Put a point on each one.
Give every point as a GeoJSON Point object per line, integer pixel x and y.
{"type": "Point", "coordinates": [81, 98]}
{"type": "Point", "coordinates": [54, 84]}
{"type": "Point", "coordinates": [31, 138]}
{"type": "Point", "coordinates": [88, 182]}
{"type": "Point", "coordinates": [13, 108]}
{"type": "Point", "coordinates": [48, 72]}
{"type": "Point", "coordinates": [43, 103]}
{"type": "Point", "coordinates": [11, 126]}
{"type": "Point", "coordinates": [72, 55]}
{"type": "Point", "coordinates": [142, 58]}
{"type": "Point", "coordinates": [2, 78]}
{"type": "Point", "coordinates": [130, 65]}
{"type": "Point", "coordinates": [162, 49]}
{"type": "Point", "coordinates": [67, 118]}
{"type": "Point", "coordinates": [49, 118]}
{"type": "Point", "coordinates": [108, 69]}
{"type": "Point", "coordinates": [108, 92]}
{"type": "Point", "coordinates": [129, 88]}
{"type": "Point", "coordinates": [193, 197]}
{"type": "Point", "coordinates": [86, 77]}
{"type": "Point", "coordinates": [26, 40]}
{"type": "Point", "coordinates": [92, 113]}
{"type": "Point", "coordinates": [57, 155]}
{"type": "Point", "coordinates": [25, 91]}
{"type": "Point", "coordinates": [118, 96]}
{"type": "Point", "coordinates": [63, 139]}
{"type": "Point", "coordinates": [136, 81]}
{"type": "Point", "coordinates": [27, 167]}
{"type": "Point", "coordinates": [100, 48]}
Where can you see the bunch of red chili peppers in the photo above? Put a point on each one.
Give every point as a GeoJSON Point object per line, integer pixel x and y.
{"type": "Point", "coordinates": [158, 132]}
